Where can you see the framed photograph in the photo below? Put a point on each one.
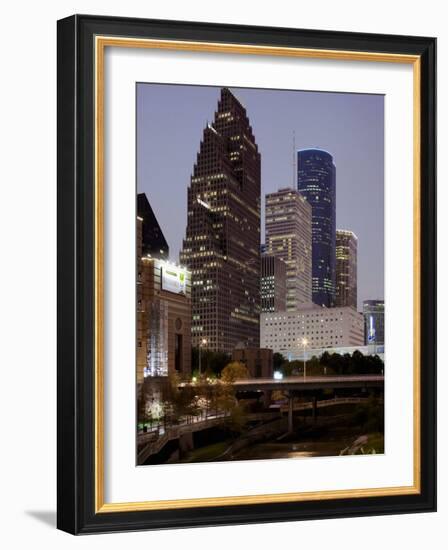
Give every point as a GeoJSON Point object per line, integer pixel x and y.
{"type": "Point", "coordinates": [246, 274]}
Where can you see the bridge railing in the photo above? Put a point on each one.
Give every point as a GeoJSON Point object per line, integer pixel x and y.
{"type": "Point", "coordinates": [151, 445]}
{"type": "Point", "coordinates": [326, 403]}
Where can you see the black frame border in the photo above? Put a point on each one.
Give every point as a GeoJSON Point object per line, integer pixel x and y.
{"type": "Point", "coordinates": [76, 262]}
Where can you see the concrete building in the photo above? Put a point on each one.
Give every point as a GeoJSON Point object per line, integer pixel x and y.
{"type": "Point", "coordinates": [373, 311]}
{"type": "Point", "coordinates": [163, 316]}
{"type": "Point", "coordinates": [311, 327]}
{"type": "Point", "coordinates": [259, 361]}
{"type": "Point", "coordinates": [346, 269]}
{"type": "Point", "coordinates": [288, 237]}
{"type": "Point", "coordinates": [316, 181]}
{"type": "Point", "coordinates": [222, 242]}
{"type": "Point", "coordinates": [273, 283]}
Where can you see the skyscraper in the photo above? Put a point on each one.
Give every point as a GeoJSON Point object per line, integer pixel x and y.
{"type": "Point", "coordinates": [373, 311]}
{"type": "Point", "coordinates": [222, 243]}
{"type": "Point", "coordinates": [346, 269]}
{"type": "Point", "coordinates": [273, 283]}
{"type": "Point", "coordinates": [288, 236]}
{"type": "Point", "coordinates": [316, 181]}
{"type": "Point", "coordinates": [153, 239]}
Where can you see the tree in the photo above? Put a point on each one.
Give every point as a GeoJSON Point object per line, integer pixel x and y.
{"type": "Point", "coordinates": [178, 403]}
{"type": "Point", "coordinates": [227, 395]}
{"type": "Point", "coordinates": [335, 362]}
{"type": "Point", "coordinates": [238, 418]}
{"type": "Point", "coordinates": [315, 368]}
{"type": "Point", "coordinates": [325, 358]}
{"type": "Point", "coordinates": [358, 362]}
{"type": "Point", "coordinates": [142, 412]}
{"type": "Point", "coordinates": [149, 396]}
{"type": "Point", "coordinates": [369, 416]}
{"type": "Point", "coordinates": [212, 362]}
{"type": "Point", "coordinates": [233, 371]}
{"type": "Point", "coordinates": [278, 361]}
{"type": "Point", "coordinates": [292, 367]}
{"type": "Point", "coordinates": [216, 361]}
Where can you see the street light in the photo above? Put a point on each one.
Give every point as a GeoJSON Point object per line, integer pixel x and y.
{"type": "Point", "coordinates": [203, 343]}
{"type": "Point", "coordinates": [304, 344]}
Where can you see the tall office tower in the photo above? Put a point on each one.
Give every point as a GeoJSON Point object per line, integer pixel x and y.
{"type": "Point", "coordinates": [316, 181]}
{"type": "Point", "coordinates": [288, 237]}
{"type": "Point", "coordinates": [346, 269]}
{"type": "Point", "coordinates": [373, 311]}
{"type": "Point", "coordinates": [153, 240]}
{"type": "Point", "coordinates": [273, 283]}
{"type": "Point", "coordinates": [222, 243]}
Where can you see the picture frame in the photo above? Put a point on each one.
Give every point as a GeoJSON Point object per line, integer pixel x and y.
{"type": "Point", "coordinates": [82, 41]}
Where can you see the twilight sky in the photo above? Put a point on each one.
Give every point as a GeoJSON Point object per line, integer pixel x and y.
{"type": "Point", "coordinates": [170, 124]}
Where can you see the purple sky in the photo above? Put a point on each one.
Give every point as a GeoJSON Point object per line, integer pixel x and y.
{"type": "Point", "coordinates": [170, 123]}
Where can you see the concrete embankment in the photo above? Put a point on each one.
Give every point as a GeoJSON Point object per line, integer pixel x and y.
{"type": "Point", "coordinates": [258, 434]}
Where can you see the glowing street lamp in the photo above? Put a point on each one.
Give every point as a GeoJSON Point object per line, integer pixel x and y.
{"type": "Point", "coordinates": [304, 344]}
{"type": "Point", "coordinates": [203, 343]}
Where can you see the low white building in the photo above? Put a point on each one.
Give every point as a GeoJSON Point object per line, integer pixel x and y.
{"type": "Point", "coordinates": [311, 327]}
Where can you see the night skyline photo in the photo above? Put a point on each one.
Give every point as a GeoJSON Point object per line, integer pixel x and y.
{"type": "Point", "coordinates": [171, 119]}
{"type": "Point", "coordinates": [260, 274]}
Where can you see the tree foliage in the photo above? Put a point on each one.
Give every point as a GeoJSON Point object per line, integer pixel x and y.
{"type": "Point", "coordinates": [212, 362]}
{"type": "Point", "coordinates": [233, 371]}
{"type": "Point", "coordinates": [278, 361]}
{"type": "Point", "coordinates": [357, 363]}
{"type": "Point", "coordinates": [331, 364]}
{"type": "Point", "coordinates": [370, 416]}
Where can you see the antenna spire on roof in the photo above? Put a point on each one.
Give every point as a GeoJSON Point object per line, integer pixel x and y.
{"type": "Point", "coordinates": [294, 170]}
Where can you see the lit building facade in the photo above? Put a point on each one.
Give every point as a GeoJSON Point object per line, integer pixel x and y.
{"type": "Point", "coordinates": [273, 283]}
{"type": "Point", "coordinates": [318, 327]}
{"type": "Point", "coordinates": [346, 269]}
{"type": "Point", "coordinates": [222, 242]}
{"type": "Point", "coordinates": [289, 237]}
{"type": "Point", "coordinates": [373, 311]}
{"type": "Point", "coordinates": [316, 181]}
{"type": "Point", "coordinates": [163, 316]}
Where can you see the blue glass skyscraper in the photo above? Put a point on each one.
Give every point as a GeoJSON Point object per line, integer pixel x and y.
{"type": "Point", "coordinates": [316, 181]}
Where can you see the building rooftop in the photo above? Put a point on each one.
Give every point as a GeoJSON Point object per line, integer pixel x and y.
{"type": "Point", "coordinates": [315, 149]}
{"type": "Point", "coordinates": [347, 232]}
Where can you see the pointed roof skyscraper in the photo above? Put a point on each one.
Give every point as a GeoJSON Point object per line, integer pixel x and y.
{"type": "Point", "coordinates": [222, 243]}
